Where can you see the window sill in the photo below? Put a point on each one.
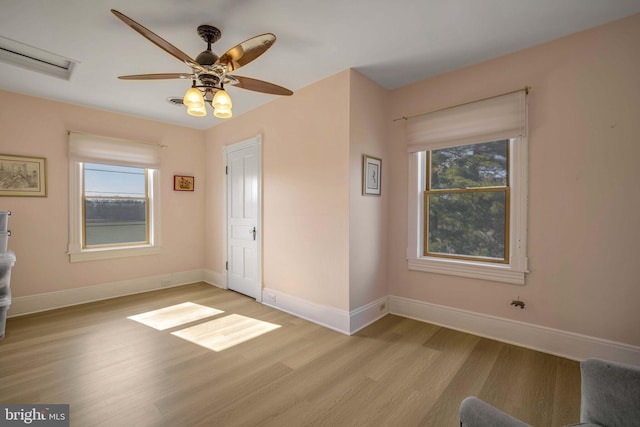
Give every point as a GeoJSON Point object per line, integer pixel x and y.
{"type": "Point", "coordinates": [474, 270]}
{"type": "Point", "coordinates": [123, 252]}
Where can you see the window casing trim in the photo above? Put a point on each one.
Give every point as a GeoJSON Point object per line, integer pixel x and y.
{"type": "Point", "coordinates": [76, 251]}
{"type": "Point", "coordinates": [511, 272]}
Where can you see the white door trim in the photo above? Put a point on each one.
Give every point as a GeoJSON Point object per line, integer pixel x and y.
{"type": "Point", "coordinates": [248, 143]}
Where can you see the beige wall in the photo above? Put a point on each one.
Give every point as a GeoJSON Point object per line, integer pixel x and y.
{"type": "Point", "coordinates": [38, 127]}
{"type": "Point", "coordinates": [305, 146]}
{"type": "Point", "coordinates": [368, 215]}
{"type": "Point", "coordinates": [584, 221]}
{"type": "Point", "coordinates": [325, 243]}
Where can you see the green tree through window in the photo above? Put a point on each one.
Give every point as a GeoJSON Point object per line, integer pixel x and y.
{"type": "Point", "coordinates": [466, 202]}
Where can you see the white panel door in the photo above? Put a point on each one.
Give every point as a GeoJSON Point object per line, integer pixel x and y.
{"type": "Point", "coordinates": [243, 218]}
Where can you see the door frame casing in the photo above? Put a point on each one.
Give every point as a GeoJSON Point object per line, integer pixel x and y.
{"type": "Point", "coordinates": [256, 142]}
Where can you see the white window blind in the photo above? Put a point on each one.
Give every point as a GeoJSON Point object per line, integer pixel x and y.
{"type": "Point", "coordinates": [96, 149]}
{"type": "Point", "coordinates": [491, 119]}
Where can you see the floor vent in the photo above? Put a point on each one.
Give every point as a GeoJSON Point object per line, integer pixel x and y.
{"type": "Point", "coordinates": [34, 59]}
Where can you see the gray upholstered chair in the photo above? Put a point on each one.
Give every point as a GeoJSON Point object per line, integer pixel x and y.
{"type": "Point", "coordinates": [610, 394]}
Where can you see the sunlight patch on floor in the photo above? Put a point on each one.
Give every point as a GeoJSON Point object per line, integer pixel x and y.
{"type": "Point", "coordinates": [175, 315]}
{"type": "Point", "coordinates": [228, 331]}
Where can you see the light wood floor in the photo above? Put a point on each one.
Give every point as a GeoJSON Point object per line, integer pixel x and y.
{"type": "Point", "coordinates": [114, 371]}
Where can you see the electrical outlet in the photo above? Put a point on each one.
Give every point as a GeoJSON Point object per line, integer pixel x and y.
{"type": "Point", "coordinates": [165, 283]}
{"type": "Point", "coordinates": [271, 297]}
{"type": "Point", "coordinates": [383, 306]}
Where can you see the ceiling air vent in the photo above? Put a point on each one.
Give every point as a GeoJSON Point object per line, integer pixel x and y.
{"type": "Point", "coordinates": [34, 59]}
{"type": "Point", "coordinates": [176, 101]}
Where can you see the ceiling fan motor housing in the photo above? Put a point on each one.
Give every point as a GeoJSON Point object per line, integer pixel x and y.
{"type": "Point", "coordinates": [209, 80]}
{"type": "Point", "coordinates": [209, 34]}
{"type": "Point", "coordinates": [206, 58]}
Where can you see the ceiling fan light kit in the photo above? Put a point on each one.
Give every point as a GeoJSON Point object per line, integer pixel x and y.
{"type": "Point", "coordinates": [222, 104]}
{"type": "Point", "coordinates": [197, 111]}
{"type": "Point", "coordinates": [210, 70]}
{"type": "Point", "coordinates": [193, 97]}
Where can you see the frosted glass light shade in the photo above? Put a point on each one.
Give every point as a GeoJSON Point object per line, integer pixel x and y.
{"type": "Point", "coordinates": [197, 111]}
{"type": "Point", "coordinates": [222, 104]}
{"type": "Point", "coordinates": [193, 98]}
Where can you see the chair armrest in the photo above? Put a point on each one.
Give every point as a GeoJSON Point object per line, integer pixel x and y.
{"type": "Point", "coordinates": [610, 393]}
{"type": "Point", "coordinates": [477, 413]}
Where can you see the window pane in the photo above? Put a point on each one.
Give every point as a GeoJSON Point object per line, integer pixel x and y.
{"type": "Point", "coordinates": [115, 209]}
{"type": "Point", "coordinates": [467, 224]}
{"type": "Point", "coordinates": [109, 221]}
{"type": "Point", "coordinates": [114, 181]}
{"type": "Point", "coordinates": [470, 166]}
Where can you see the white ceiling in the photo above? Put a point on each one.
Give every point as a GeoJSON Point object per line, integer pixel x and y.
{"type": "Point", "coordinates": [392, 42]}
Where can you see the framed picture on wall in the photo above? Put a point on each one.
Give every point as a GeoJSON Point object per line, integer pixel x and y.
{"type": "Point", "coordinates": [23, 176]}
{"type": "Point", "coordinates": [183, 183]}
{"type": "Point", "coordinates": [371, 176]}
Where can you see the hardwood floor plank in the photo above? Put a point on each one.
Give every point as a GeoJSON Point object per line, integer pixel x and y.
{"type": "Point", "coordinates": [523, 381]}
{"type": "Point", "coordinates": [566, 402]}
{"type": "Point", "coordinates": [114, 371]}
{"type": "Point", "coordinates": [468, 381]}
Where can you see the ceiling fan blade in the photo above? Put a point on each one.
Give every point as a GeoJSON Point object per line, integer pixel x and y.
{"type": "Point", "coordinates": [159, 76]}
{"type": "Point", "coordinates": [153, 38]}
{"type": "Point", "coordinates": [259, 86]}
{"type": "Point", "coordinates": [246, 51]}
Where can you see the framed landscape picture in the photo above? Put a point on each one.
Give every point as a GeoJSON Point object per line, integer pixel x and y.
{"type": "Point", "coordinates": [371, 176]}
{"type": "Point", "coordinates": [23, 176]}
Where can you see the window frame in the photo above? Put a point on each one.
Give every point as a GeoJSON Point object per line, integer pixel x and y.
{"type": "Point", "coordinates": [513, 271]}
{"type": "Point", "coordinates": [76, 250]}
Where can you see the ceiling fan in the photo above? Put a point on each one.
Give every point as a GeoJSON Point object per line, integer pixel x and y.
{"type": "Point", "coordinates": [210, 72]}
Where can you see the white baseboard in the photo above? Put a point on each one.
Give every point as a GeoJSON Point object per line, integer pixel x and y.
{"type": "Point", "coordinates": [364, 316]}
{"type": "Point", "coordinates": [324, 315]}
{"type": "Point", "coordinates": [548, 340]}
{"type": "Point", "coordinates": [339, 320]}
{"type": "Point", "coordinates": [216, 279]}
{"type": "Point", "coordinates": [68, 297]}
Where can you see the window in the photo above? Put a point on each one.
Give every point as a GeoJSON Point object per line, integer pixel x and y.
{"type": "Point", "coordinates": [115, 205]}
{"type": "Point", "coordinates": [467, 190]}
{"type": "Point", "coordinates": [114, 198]}
{"type": "Point", "coordinates": [466, 202]}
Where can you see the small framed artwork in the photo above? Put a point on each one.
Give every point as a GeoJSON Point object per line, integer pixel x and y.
{"type": "Point", "coordinates": [183, 183]}
{"type": "Point", "coordinates": [23, 176]}
{"type": "Point", "coordinates": [371, 176]}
